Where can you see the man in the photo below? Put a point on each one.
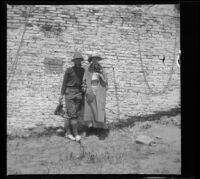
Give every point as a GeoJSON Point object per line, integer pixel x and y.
{"type": "Point", "coordinates": [71, 88]}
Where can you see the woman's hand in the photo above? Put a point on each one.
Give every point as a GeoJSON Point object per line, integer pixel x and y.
{"type": "Point", "coordinates": [102, 76]}
{"type": "Point", "coordinates": [84, 86]}
{"type": "Point", "coordinates": [100, 71]}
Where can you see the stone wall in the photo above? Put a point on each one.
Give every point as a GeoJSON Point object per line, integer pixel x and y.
{"type": "Point", "coordinates": [132, 39]}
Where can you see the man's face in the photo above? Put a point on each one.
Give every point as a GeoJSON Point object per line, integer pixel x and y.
{"type": "Point", "coordinates": [95, 61]}
{"type": "Point", "coordinates": [77, 62]}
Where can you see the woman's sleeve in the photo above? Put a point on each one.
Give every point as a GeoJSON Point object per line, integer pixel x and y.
{"type": "Point", "coordinates": [105, 78]}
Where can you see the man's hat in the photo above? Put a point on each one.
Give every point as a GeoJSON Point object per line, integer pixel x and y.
{"type": "Point", "coordinates": [94, 55]}
{"type": "Point", "coordinates": [77, 55]}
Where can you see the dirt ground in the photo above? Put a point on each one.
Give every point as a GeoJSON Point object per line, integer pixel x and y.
{"type": "Point", "coordinates": [118, 153]}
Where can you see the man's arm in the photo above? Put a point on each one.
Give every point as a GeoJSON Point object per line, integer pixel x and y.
{"type": "Point", "coordinates": [64, 85]}
{"type": "Point", "coordinates": [84, 85]}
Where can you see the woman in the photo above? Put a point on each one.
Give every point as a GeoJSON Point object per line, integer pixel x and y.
{"type": "Point", "coordinates": [95, 85]}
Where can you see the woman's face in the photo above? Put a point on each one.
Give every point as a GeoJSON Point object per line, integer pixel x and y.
{"type": "Point", "coordinates": [95, 61]}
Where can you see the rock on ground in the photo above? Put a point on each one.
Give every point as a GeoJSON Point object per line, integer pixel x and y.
{"type": "Point", "coordinates": [142, 139]}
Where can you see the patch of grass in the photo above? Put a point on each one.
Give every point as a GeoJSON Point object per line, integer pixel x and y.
{"type": "Point", "coordinates": [93, 155]}
{"type": "Point", "coordinates": [106, 157]}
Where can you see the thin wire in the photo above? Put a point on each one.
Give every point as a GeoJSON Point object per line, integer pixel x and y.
{"type": "Point", "coordinates": [144, 75]}
{"type": "Point", "coordinates": [143, 72]}
{"type": "Point", "coordinates": [13, 70]}
{"type": "Point", "coordinates": [172, 69]}
{"type": "Point", "coordinates": [116, 94]}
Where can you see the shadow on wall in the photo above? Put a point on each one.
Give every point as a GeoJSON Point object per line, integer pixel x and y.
{"type": "Point", "coordinates": [132, 119]}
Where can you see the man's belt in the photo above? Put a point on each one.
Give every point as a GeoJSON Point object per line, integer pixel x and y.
{"type": "Point", "coordinates": [74, 87]}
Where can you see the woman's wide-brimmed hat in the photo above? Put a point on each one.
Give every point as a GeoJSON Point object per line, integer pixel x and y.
{"type": "Point", "coordinates": [77, 55]}
{"type": "Point", "coordinates": [94, 55]}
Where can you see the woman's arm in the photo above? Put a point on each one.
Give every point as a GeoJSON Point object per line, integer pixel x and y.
{"type": "Point", "coordinates": [103, 76]}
